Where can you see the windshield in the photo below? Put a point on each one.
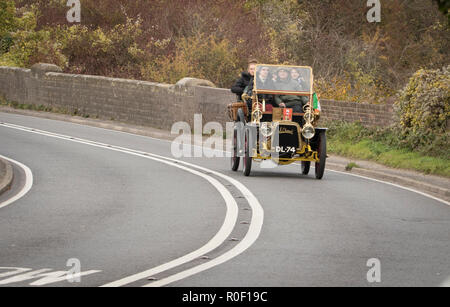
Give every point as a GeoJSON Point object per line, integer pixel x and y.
{"type": "Point", "coordinates": [283, 79]}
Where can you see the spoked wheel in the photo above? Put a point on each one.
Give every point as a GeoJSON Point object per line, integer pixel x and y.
{"type": "Point", "coordinates": [247, 158]}
{"type": "Point", "coordinates": [305, 167]}
{"type": "Point", "coordinates": [322, 153]}
{"type": "Point", "coordinates": [235, 159]}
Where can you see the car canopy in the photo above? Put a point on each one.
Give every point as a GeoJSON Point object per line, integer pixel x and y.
{"type": "Point", "coordinates": [283, 80]}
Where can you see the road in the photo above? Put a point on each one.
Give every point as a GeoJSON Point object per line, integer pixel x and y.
{"type": "Point", "coordinates": [129, 215]}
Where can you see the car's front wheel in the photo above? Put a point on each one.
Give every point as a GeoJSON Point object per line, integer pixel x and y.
{"type": "Point", "coordinates": [322, 153]}
{"type": "Point", "coordinates": [306, 165]}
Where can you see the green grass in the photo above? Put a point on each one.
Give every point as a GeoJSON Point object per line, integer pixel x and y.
{"type": "Point", "coordinates": [350, 166]}
{"type": "Point", "coordinates": [41, 108]}
{"type": "Point", "coordinates": [345, 139]}
{"type": "Point", "coordinates": [357, 142]}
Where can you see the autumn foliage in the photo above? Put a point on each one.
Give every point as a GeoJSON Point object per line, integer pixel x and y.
{"type": "Point", "coordinates": [165, 40]}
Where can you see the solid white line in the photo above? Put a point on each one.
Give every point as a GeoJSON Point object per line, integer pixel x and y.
{"type": "Point", "coordinates": [249, 239]}
{"type": "Point", "coordinates": [395, 185]}
{"type": "Point", "coordinates": [228, 154]}
{"type": "Point", "coordinates": [251, 236]}
{"type": "Point", "coordinates": [232, 208]}
{"type": "Point", "coordinates": [26, 188]}
{"type": "Point", "coordinates": [388, 183]}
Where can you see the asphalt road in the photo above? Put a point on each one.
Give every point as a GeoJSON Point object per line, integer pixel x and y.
{"type": "Point", "coordinates": [123, 214]}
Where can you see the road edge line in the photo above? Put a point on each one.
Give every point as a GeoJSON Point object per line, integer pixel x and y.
{"type": "Point", "coordinates": [28, 182]}
{"type": "Point", "coordinates": [7, 179]}
{"type": "Point", "coordinates": [258, 212]}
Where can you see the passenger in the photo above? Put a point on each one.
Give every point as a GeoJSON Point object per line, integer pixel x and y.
{"type": "Point", "coordinates": [263, 80]}
{"type": "Point", "coordinates": [291, 101]}
{"type": "Point", "coordinates": [285, 83]}
{"type": "Point", "coordinates": [295, 75]}
{"type": "Point", "coordinates": [244, 80]}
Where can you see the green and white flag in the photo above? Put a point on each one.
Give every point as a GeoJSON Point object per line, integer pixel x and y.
{"type": "Point", "coordinates": [316, 103]}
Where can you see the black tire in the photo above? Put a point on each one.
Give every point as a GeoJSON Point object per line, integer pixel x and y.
{"type": "Point", "coordinates": [247, 159]}
{"type": "Point", "coordinates": [322, 153]}
{"type": "Point", "coordinates": [306, 165]}
{"type": "Point", "coordinates": [235, 159]}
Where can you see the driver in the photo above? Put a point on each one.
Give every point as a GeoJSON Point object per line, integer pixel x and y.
{"type": "Point", "coordinates": [245, 79]}
{"type": "Point", "coordinates": [291, 101]}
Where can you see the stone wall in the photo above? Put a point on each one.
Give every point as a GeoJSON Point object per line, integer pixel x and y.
{"type": "Point", "coordinates": [367, 114]}
{"type": "Point", "coordinates": [146, 103]}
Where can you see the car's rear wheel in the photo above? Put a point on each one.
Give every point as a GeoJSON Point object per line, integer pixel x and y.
{"type": "Point", "coordinates": [235, 159]}
{"type": "Point", "coordinates": [247, 155]}
{"type": "Point", "coordinates": [306, 165]}
{"type": "Point", "coordinates": [322, 154]}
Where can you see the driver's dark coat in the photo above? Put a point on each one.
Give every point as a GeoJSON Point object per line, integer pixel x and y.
{"type": "Point", "coordinates": [241, 84]}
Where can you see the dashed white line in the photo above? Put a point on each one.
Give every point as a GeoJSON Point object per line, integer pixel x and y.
{"type": "Point", "coordinates": [221, 236]}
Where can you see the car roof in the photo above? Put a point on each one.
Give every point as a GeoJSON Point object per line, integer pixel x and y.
{"type": "Point", "coordinates": [307, 88]}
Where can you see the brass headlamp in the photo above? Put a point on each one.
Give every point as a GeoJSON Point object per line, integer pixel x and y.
{"type": "Point", "coordinates": [308, 130]}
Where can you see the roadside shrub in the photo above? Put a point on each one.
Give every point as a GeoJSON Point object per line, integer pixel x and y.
{"type": "Point", "coordinates": [22, 45]}
{"type": "Point", "coordinates": [7, 25]}
{"type": "Point", "coordinates": [199, 56]}
{"type": "Point", "coordinates": [423, 112]}
{"type": "Point", "coordinates": [113, 52]}
{"type": "Point", "coordinates": [424, 104]}
{"type": "Point", "coordinates": [336, 88]}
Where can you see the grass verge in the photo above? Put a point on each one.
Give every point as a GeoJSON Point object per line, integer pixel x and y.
{"type": "Point", "coordinates": [42, 108]}
{"type": "Point", "coordinates": [345, 139]}
{"type": "Point", "coordinates": [355, 141]}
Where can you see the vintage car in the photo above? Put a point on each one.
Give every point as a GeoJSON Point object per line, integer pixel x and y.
{"type": "Point", "coordinates": [284, 135]}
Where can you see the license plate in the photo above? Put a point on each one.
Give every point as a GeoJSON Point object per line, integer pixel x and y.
{"type": "Point", "coordinates": [285, 149]}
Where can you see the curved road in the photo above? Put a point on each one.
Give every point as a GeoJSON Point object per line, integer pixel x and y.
{"type": "Point", "coordinates": [126, 214]}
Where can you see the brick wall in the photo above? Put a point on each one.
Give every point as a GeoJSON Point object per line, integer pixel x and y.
{"type": "Point", "coordinates": [367, 114]}
{"type": "Point", "coordinates": [146, 103]}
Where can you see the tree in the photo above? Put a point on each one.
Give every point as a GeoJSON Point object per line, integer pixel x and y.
{"type": "Point", "coordinates": [444, 7]}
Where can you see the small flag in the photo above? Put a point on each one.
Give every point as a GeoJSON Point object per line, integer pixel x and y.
{"type": "Point", "coordinates": [316, 103]}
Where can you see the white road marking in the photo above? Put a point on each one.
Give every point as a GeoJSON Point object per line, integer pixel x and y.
{"type": "Point", "coordinates": [229, 155]}
{"type": "Point", "coordinates": [446, 283]}
{"type": "Point", "coordinates": [389, 183]}
{"type": "Point", "coordinates": [355, 175]}
{"type": "Point", "coordinates": [43, 276]}
{"type": "Point", "coordinates": [219, 238]}
{"type": "Point", "coordinates": [26, 188]}
{"type": "Point", "coordinates": [243, 244]}
{"type": "Point", "coordinates": [395, 185]}
{"type": "Point", "coordinates": [12, 271]}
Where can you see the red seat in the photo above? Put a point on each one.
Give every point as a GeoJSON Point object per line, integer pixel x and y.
{"type": "Point", "coordinates": [269, 108]}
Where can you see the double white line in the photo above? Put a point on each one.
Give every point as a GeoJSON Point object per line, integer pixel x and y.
{"type": "Point", "coordinates": [223, 234]}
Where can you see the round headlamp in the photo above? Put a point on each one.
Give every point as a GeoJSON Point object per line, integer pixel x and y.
{"type": "Point", "coordinates": [308, 131]}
